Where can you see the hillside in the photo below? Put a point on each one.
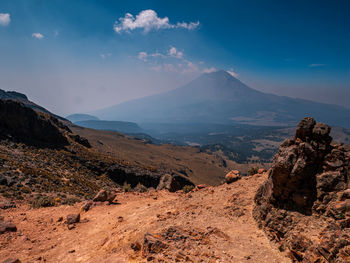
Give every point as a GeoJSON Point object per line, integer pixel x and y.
{"type": "Point", "coordinates": [210, 225]}
{"type": "Point", "coordinates": [120, 126]}
{"type": "Point", "coordinates": [220, 98]}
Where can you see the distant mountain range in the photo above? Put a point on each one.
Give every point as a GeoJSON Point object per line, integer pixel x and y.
{"type": "Point", "coordinates": [220, 98]}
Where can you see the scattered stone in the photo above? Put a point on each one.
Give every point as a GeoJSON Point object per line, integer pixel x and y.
{"type": "Point", "coordinates": [152, 244]}
{"type": "Point", "coordinates": [12, 260]}
{"type": "Point", "coordinates": [120, 219]}
{"type": "Point", "coordinates": [60, 219]}
{"type": "Point", "coordinates": [70, 227]}
{"type": "Point", "coordinates": [232, 176]}
{"type": "Point", "coordinates": [87, 206]}
{"type": "Point", "coordinates": [73, 218]}
{"type": "Point", "coordinates": [136, 246]}
{"type": "Point", "coordinates": [261, 171]}
{"type": "Point", "coordinates": [201, 186]}
{"type": "Point", "coordinates": [71, 251]}
{"type": "Point", "coordinates": [7, 227]}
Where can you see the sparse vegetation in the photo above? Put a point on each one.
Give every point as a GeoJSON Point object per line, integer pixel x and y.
{"type": "Point", "coordinates": [141, 188]}
{"type": "Point", "coordinates": [187, 188]}
{"type": "Point", "coordinates": [126, 187]}
{"type": "Point", "coordinates": [253, 170]}
{"type": "Point", "coordinates": [43, 201]}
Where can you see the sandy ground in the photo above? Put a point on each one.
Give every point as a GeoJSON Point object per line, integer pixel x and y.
{"type": "Point", "coordinates": [213, 224]}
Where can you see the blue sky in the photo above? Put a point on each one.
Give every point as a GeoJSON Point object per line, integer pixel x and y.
{"type": "Point", "coordinates": [76, 56]}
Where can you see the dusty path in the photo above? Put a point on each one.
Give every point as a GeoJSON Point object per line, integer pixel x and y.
{"type": "Point", "coordinates": [213, 224]}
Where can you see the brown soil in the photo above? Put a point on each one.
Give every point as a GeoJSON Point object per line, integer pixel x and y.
{"type": "Point", "coordinates": [214, 224]}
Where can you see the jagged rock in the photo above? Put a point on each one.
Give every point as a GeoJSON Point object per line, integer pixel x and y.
{"type": "Point", "coordinates": [7, 227]}
{"type": "Point", "coordinates": [232, 176]}
{"type": "Point", "coordinates": [311, 176]}
{"type": "Point", "coordinates": [73, 218]}
{"type": "Point", "coordinates": [153, 245]}
{"type": "Point", "coordinates": [171, 183]}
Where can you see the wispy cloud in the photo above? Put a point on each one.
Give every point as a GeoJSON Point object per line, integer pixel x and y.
{"type": "Point", "coordinates": [148, 20]}
{"type": "Point", "coordinates": [232, 73]}
{"type": "Point", "coordinates": [38, 35]}
{"type": "Point", "coordinates": [5, 19]}
{"type": "Point", "coordinates": [173, 60]}
{"type": "Point", "coordinates": [56, 33]}
{"type": "Point", "coordinates": [209, 70]}
{"type": "Point", "coordinates": [104, 56]}
{"type": "Point", "coordinates": [173, 52]}
{"type": "Point", "coordinates": [316, 65]}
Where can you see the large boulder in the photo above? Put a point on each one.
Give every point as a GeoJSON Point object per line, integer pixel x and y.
{"type": "Point", "coordinates": [232, 176]}
{"type": "Point", "coordinates": [173, 183]}
{"type": "Point", "coordinates": [309, 177]}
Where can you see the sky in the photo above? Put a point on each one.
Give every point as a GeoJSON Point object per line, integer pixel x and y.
{"type": "Point", "coordinates": [83, 55]}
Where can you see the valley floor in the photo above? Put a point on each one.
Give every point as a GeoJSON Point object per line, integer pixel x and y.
{"type": "Point", "coordinates": [214, 224]}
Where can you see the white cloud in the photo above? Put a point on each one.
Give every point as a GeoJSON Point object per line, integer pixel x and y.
{"type": "Point", "coordinates": [104, 56]}
{"type": "Point", "coordinates": [148, 20]}
{"type": "Point", "coordinates": [232, 73]}
{"type": "Point", "coordinates": [56, 33]}
{"type": "Point", "coordinates": [209, 70]}
{"type": "Point", "coordinates": [316, 65]}
{"type": "Point", "coordinates": [142, 56]}
{"type": "Point", "coordinates": [173, 52]}
{"type": "Point", "coordinates": [4, 19]}
{"type": "Point", "coordinates": [38, 35]}
{"type": "Point", "coordinates": [190, 67]}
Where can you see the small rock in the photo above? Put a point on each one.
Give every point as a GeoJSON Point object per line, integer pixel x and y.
{"type": "Point", "coordinates": [71, 251]}
{"type": "Point", "coordinates": [12, 260]}
{"type": "Point", "coordinates": [261, 170]}
{"type": "Point", "coordinates": [87, 206]}
{"type": "Point", "coordinates": [136, 246]}
{"type": "Point", "coordinates": [120, 219]}
{"type": "Point", "coordinates": [7, 227]}
{"type": "Point", "coordinates": [202, 186]}
{"type": "Point", "coordinates": [60, 219]}
{"type": "Point", "coordinates": [73, 218]}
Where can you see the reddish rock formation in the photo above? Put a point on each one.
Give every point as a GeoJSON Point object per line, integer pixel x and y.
{"type": "Point", "coordinates": [309, 180]}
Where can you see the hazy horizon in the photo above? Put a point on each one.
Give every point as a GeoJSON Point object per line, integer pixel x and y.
{"type": "Point", "coordinates": [76, 57]}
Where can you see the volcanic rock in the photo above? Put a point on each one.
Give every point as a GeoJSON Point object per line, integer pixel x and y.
{"type": "Point", "coordinates": [73, 218]}
{"type": "Point", "coordinates": [308, 178]}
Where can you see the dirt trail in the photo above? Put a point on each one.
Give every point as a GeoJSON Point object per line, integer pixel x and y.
{"type": "Point", "coordinates": [213, 224]}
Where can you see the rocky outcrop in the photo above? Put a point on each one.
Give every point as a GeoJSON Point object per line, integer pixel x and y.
{"type": "Point", "coordinates": [173, 183]}
{"type": "Point", "coordinates": [24, 124]}
{"type": "Point", "coordinates": [309, 179]}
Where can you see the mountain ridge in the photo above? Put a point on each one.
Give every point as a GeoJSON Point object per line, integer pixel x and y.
{"type": "Point", "coordinates": [218, 97]}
